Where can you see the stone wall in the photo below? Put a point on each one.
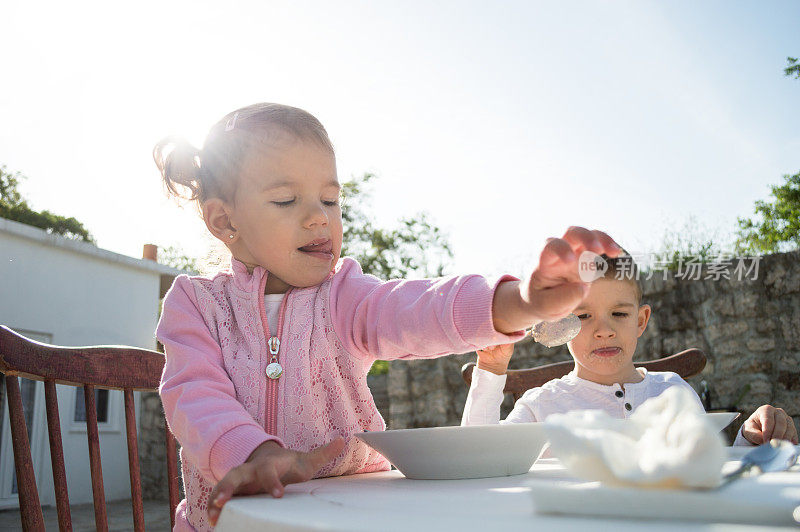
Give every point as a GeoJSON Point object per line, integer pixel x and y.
{"type": "Point", "coordinates": [380, 393]}
{"type": "Point", "coordinates": [153, 450]}
{"type": "Point", "coordinates": [749, 330]}
{"type": "Point", "coordinates": [431, 393]}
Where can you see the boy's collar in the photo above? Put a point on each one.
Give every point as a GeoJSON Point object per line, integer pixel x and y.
{"type": "Point", "coordinates": [572, 376]}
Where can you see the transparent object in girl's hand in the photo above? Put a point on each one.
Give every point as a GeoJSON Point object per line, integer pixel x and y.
{"type": "Point", "coordinates": [555, 333]}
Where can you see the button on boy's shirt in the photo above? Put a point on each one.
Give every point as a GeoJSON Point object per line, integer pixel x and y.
{"type": "Point", "coordinates": [567, 394]}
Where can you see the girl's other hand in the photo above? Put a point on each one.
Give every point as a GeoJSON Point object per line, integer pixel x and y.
{"type": "Point", "coordinates": [267, 470]}
{"type": "Point", "coordinates": [495, 358]}
{"type": "Point", "coordinates": [768, 423]}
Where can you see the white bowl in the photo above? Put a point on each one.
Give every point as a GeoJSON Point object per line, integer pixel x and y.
{"type": "Point", "coordinates": [475, 451]}
{"type": "Point", "coordinates": [720, 420]}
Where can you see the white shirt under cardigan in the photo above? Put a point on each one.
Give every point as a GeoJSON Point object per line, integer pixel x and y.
{"type": "Point", "coordinates": [272, 306]}
{"type": "Point", "coordinates": [568, 393]}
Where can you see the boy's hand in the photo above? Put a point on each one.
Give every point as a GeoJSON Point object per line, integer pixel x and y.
{"type": "Point", "coordinates": [495, 358]}
{"type": "Point", "coordinates": [554, 288]}
{"type": "Point", "coordinates": [267, 470]}
{"type": "Point", "coordinates": [767, 423]}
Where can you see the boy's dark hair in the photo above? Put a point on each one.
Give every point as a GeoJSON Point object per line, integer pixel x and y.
{"type": "Point", "coordinates": [623, 268]}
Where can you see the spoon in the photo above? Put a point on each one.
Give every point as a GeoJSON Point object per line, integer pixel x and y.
{"type": "Point", "coordinates": [554, 333]}
{"type": "Point", "coordinates": [777, 455]}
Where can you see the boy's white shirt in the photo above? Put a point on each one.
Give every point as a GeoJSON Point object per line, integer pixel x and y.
{"type": "Point", "coordinates": [564, 395]}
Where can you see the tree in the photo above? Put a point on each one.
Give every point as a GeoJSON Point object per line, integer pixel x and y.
{"type": "Point", "coordinates": [14, 207]}
{"type": "Point", "coordinates": [175, 257]}
{"type": "Point", "coordinates": [694, 241]}
{"type": "Point", "coordinates": [415, 248]}
{"type": "Point", "coordinates": [779, 226]}
{"type": "Point", "coordinates": [793, 68]}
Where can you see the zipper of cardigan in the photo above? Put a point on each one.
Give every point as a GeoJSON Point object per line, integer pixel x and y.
{"type": "Point", "coordinates": [273, 382]}
{"type": "Point", "coordinates": [274, 369]}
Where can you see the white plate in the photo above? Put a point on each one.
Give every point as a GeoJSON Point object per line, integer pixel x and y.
{"type": "Point", "coordinates": [475, 451]}
{"type": "Point", "coordinates": [722, 419]}
{"type": "Point", "coordinates": [767, 499]}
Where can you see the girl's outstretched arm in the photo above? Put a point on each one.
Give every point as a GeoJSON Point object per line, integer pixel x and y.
{"type": "Point", "coordinates": [554, 288]}
{"type": "Point", "coordinates": [422, 318]}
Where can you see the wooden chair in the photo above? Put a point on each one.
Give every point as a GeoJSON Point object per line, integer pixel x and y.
{"type": "Point", "coordinates": [686, 364]}
{"type": "Point", "coordinates": [110, 367]}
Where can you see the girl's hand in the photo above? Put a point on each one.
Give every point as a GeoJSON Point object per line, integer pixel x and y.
{"type": "Point", "coordinates": [767, 423]}
{"type": "Point", "coordinates": [495, 358]}
{"type": "Point", "coordinates": [554, 288]}
{"type": "Point", "coordinates": [267, 470]}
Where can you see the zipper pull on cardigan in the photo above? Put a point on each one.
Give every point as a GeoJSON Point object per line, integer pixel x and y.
{"type": "Point", "coordinates": [274, 369]}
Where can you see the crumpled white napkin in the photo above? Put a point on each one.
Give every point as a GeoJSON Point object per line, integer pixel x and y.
{"type": "Point", "coordinates": [666, 443]}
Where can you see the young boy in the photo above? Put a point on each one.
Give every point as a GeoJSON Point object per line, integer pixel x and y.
{"type": "Point", "coordinates": [612, 319]}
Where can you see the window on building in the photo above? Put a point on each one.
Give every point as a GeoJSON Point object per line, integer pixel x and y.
{"type": "Point", "coordinates": [100, 401]}
{"type": "Point", "coordinates": [27, 390]}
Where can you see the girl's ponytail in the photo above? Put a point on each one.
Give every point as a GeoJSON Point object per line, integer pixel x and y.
{"type": "Point", "coordinates": [199, 175]}
{"type": "Point", "coordinates": [179, 164]}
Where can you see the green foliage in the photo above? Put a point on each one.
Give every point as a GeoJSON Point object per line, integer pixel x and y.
{"type": "Point", "coordinates": [794, 67]}
{"type": "Point", "coordinates": [9, 195]}
{"type": "Point", "coordinates": [778, 225]}
{"type": "Point", "coordinates": [175, 257]}
{"type": "Point", "coordinates": [692, 241]}
{"type": "Point", "coordinates": [415, 248]}
{"type": "Point", "coordinates": [379, 367]}
{"type": "Point", "coordinates": [13, 207]}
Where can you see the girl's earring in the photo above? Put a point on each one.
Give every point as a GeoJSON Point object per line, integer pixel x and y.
{"type": "Point", "coordinates": [231, 236]}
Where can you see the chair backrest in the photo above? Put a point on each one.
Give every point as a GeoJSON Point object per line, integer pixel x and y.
{"type": "Point", "coordinates": [109, 367]}
{"type": "Point", "coordinates": [686, 364]}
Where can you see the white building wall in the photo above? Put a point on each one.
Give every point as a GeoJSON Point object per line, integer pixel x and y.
{"type": "Point", "coordinates": [78, 295]}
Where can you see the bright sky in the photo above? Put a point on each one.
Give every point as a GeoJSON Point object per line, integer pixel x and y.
{"type": "Point", "coordinates": [506, 121]}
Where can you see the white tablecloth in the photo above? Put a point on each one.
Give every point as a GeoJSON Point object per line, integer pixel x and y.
{"type": "Point", "coordinates": [388, 501]}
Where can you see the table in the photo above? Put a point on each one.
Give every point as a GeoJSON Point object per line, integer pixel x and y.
{"type": "Point", "coordinates": [389, 501]}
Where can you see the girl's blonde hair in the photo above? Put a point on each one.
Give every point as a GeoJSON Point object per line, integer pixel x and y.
{"type": "Point", "coordinates": [210, 172]}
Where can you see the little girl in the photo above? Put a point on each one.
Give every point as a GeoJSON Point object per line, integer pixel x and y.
{"type": "Point", "coordinates": [266, 363]}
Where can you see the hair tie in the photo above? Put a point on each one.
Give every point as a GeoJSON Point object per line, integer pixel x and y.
{"type": "Point", "coordinates": [232, 122]}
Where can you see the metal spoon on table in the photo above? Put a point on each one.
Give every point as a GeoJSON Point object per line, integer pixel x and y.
{"type": "Point", "coordinates": [777, 455]}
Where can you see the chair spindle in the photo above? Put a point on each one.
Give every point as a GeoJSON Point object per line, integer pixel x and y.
{"type": "Point", "coordinates": [133, 462]}
{"type": "Point", "coordinates": [30, 509]}
{"type": "Point", "coordinates": [100, 517]}
{"type": "Point", "coordinates": [172, 473]}
{"type": "Point", "coordinates": [57, 456]}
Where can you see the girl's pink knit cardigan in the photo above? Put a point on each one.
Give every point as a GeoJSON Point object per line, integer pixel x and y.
{"type": "Point", "coordinates": [217, 399]}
